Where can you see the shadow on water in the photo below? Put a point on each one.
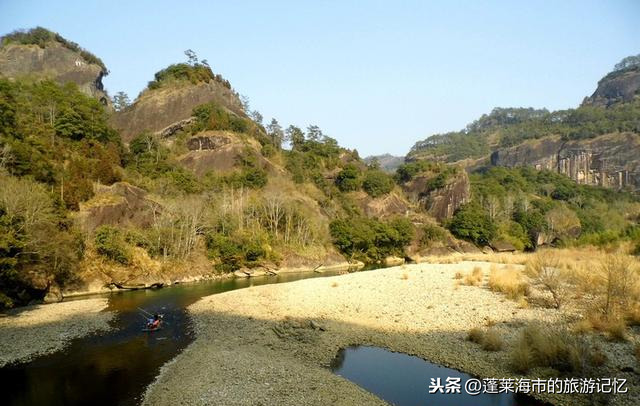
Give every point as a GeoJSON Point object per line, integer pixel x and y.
{"type": "Point", "coordinates": [403, 380]}
{"type": "Point", "coordinates": [114, 368]}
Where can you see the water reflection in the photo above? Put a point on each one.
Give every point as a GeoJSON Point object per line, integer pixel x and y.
{"type": "Point", "coordinates": [115, 368]}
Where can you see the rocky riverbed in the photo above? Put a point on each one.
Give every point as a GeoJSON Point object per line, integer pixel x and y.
{"type": "Point", "coordinates": [43, 329]}
{"type": "Point", "coordinates": [272, 344]}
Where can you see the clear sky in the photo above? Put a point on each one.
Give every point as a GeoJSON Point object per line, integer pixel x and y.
{"type": "Point", "coordinates": [376, 75]}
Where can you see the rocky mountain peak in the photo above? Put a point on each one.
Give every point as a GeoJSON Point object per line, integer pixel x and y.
{"type": "Point", "coordinates": [620, 86]}
{"type": "Point", "coordinates": [43, 54]}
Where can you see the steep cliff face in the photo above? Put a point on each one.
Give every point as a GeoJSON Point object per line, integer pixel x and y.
{"type": "Point", "coordinates": [218, 151]}
{"type": "Point", "coordinates": [611, 160]}
{"type": "Point", "coordinates": [442, 202]}
{"type": "Point", "coordinates": [55, 62]}
{"type": "Point", "coordinates": [617, 87]}
{"type": "Point", "coordinates": [162, 109]}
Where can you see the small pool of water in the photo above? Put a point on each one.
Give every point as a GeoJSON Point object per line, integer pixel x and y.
{"type": "Point", "coordinates": [403, 380]}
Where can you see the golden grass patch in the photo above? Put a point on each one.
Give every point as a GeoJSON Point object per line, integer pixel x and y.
{"type": "Point", "coordinates": [474, 278]}
{"type": "Point", "coordinates": [509, 281]}
{"type": "Point", "coordinates": [489, 340]}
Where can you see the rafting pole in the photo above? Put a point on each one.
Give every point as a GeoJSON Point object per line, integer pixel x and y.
{"type": "Point", "coordinates": [144, 311]}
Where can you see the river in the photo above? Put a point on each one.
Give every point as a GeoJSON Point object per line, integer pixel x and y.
{"type": "Point", "coordinates": [114, 368]}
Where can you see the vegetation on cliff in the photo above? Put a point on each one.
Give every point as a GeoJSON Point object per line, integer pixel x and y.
{"type": "Point", "coordinates": [525, 207]}
{"type": "Point", "coordinates": [194, 71]}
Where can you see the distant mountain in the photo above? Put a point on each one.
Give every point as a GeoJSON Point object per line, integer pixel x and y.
{"type": "Point", "coordinates": [388, 163]}
{"type": "Point", "coordinates": [594, 144]}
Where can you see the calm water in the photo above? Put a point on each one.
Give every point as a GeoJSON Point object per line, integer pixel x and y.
{"type": "Point", "coordinates": [115, 368]}
{"type": "Point", "coordinates": [403, 380]}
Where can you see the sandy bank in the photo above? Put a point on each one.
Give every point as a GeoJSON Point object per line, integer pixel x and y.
{"type": "Point", "coordinates": [42, 329]}
{"type": "Point", "coordinates": [263, 345]}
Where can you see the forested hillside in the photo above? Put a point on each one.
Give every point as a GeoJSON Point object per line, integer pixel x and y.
{"type": "Point", "coordinates": [537, 176]}
{"type": "Point", "coordinates": [213, 192]}
{"type": "Point", "coordinates": [186, 181]}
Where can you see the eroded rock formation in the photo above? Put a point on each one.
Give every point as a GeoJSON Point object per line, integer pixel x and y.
{"type": "Point", "coordinates": [441, 203]}
{"type": "Point", "coordinates": [54, 62]}
{"type": "Point", "coordinates": [162, 109]}
{"type": "Point", "coordinates": [616, 87]}
{"type": "Point", "coordinates": [610, 160]}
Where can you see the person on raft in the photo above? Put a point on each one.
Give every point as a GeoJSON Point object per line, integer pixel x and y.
{"type": "Point", "coordinates": [153, 323]}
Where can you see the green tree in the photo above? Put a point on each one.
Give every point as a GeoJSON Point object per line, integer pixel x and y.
{"type": "Point", "coordinates": [110, 243]}
{"type": "Point", "coordinates": [121, 101]}
{"type": "Point", "coordinates": [349, 178]}
{"type": "Point", "coordinates": [377, 183]}
{"type": "Point", "coordinates": [470, 222]}
{"type": "Point", "coordinates": [275, 132]}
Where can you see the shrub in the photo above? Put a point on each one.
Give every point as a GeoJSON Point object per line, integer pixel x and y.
{"type": "Point", "coordinates": [508, 281]}
{"type": "Point", "coordinates": [234, 252]}
{"type": "Point", "coordinates": [212, 116]}
{"type": "Point", "coordinates": [377, 183]}
{"type": "Point", "coordinates": [545, 270]}
{"type": "Point", "coordinates": [470, 222]}
{"type": "Point", "coordinates": [111, 244]}
{"type": "Point", "coordinates": [349, 178]}
{"type": "Point", "coordinates": [370, 239]}
{"type": "Point", "coordinates": [431, 233]}
{"type": "Point", "coordinates": [182, 72]}
{"type": "Point", "coordinates": [618, 277]}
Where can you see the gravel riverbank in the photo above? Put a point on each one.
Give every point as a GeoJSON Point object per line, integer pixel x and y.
{"type": "Point", "coordinates": [272, 344]}
{"type": "Point", "coordinates": [35, 330]}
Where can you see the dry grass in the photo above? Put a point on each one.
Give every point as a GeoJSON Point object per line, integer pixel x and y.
{"type": "Point", "coordinates": [334, 284]}
{"type": "Point", "coordinates": [548, 347]}
{"type": "Point", "coordinates": [617, 330]}
{"type": "Point", "coordinates": [546, 271]}
{"type": "Point", "coordinates": [523, 303]}
{"type": "Point", "coordinates": [458, 276]}
{"type": "Point", "coordinates": [632, 316]}
{"type": "Point", "coordinates": [508, 281]}
{"type": "Point", "coordinates": [582, 327]}
{"type": "Point", "coordinates": [613, 327]}
{"type": "Point", "coordinates": [492, 341]}
{"type": "Point", "coordinates": [636, 351]}
{"type": "Point", "coordinates": [474, 278]}
{"type": "Point", "coordinates": [441, 259]}
{"type": "Point", "coordinates": [598, 357]}
{"type": "Point", "coordinates": [475, 335]}
{"type": "Point", "coordinates": [404, 276]}
{"type": "Point", "coordinates": [489, 340]}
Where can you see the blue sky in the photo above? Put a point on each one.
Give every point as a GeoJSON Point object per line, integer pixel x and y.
{"type": "Point", "coordinates": [376, 75]}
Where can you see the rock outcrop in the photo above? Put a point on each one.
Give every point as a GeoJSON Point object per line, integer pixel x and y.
{"type": "Point", "coordinates": [55, 62]}
{"type": "Point", "coordinates": [119, 204]}
{"type": "Point", "coordinates": [610, 160]}
{"type": "Point", "coordinates": [218, 151]}
{"type": "Point", "coordinates": [160, 110]}
{"type": "Point", "coordinates": [617, 87]}
{"type": "Point", "coordinates": [441, 203]}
